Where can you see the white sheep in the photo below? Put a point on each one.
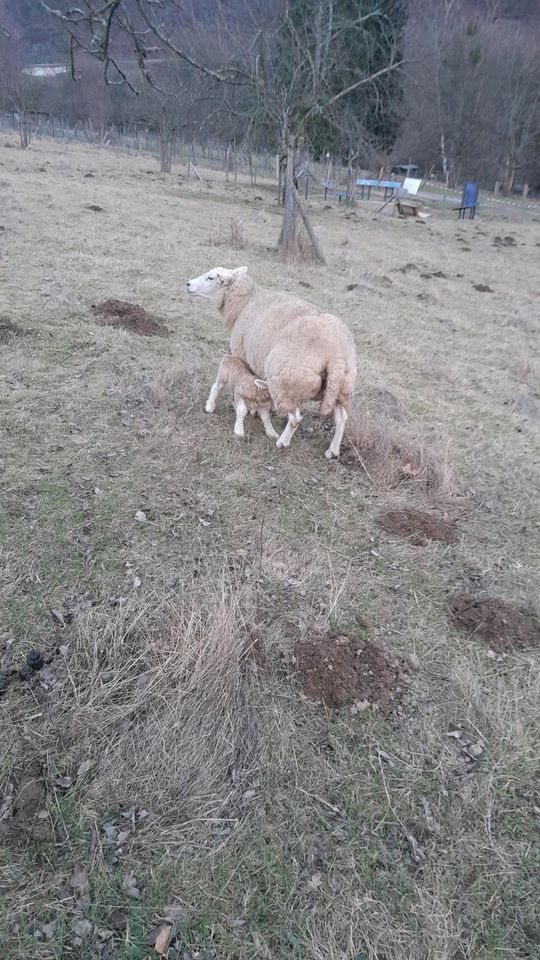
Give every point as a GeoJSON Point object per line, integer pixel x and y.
{"type": "Point", "coordinates": [298, 352]}
{"type": "Point", "coordinates": [248, 395]}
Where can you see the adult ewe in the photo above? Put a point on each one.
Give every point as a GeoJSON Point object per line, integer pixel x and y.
{"type": "Point", "coordinates": [299, 352]}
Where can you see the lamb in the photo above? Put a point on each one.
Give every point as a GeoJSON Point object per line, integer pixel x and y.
{"type": "Point", "coordinates": [247, 394]}
{"type": "Point", "coordinates": [297, 352]}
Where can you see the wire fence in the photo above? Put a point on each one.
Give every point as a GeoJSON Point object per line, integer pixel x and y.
{"type": "Point", "coordinates": [241, 161]}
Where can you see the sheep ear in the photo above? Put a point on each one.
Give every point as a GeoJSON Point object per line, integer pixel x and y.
{"type": "Point", "coordinates": [241, 271]}
{"type": "Point", "coordinates": [261, 384]}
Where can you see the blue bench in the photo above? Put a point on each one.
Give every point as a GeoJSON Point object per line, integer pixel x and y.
{"type": "Point", "coordinates": [328, 188]}
{"type": "Point", "coordinates": [386, 185]}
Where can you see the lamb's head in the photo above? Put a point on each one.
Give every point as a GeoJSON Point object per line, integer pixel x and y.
{"type": "Point", "coordinates": [211, 285]}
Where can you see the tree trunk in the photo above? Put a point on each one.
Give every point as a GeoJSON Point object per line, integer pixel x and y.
{"type": "Point", "coordinates": [509, 176]}
{"type": "Point", "coordinates": [319, 255]}
{"type": "Point", "coordinates": [289, 245]}
{"type": "Point", "coordinates": [24, 131]}
{"type": "Point", "coordinates": [444, 158]}
{"type": "Point", "coordinates": [351, 182]}
{"type": "Point", "coordinates": [165, 152]}
{"type": "Point", "coordinates": [288, 228]}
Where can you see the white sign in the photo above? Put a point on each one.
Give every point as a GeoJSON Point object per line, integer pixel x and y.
{"type": "Point", "coordinates": [411, 185]}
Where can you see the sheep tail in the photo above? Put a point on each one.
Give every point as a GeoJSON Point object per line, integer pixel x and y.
{"type": "Point", "coordinates": [334, 383]}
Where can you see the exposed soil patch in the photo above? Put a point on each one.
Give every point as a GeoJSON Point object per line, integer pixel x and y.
{"type": "Point", "coordinates": [21, 803]}
{"type": "Point", "coordinates": [501, 625]}
{"type": "Point", "coordinates": [507, 241]}
{"type": "Point", "coordinates": [409, 268]}
{"type": "Point", "coordinates": [8, 330]}
{"type": "Point", "coordinates": [417, 526]}
{"type": "Point", "coordinates": [130, 316]}
{"type": "Point", "coordinates": [437, 273]}
{"type": "Point", "coordinates": [483, 288]}
{"type": "Point", "coordinates": [339, 671]}
{"type": "Point", "coordinates": [95, 208]}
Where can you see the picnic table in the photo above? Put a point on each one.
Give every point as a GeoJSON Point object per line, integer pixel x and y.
{"type": "Point", "coordinates": [389, 186]}
{"type": "Point", "coordinates": [386, 185]}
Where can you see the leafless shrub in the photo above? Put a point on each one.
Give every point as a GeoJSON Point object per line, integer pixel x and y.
{"type": "Point", "coordinates": [170, 701]}
{"type": "Point", "coordinates": [390, 456]}
{"type": "Point", "coordinates": [237, 235]}
{"type": "Point", "coordinates": [232, 234]}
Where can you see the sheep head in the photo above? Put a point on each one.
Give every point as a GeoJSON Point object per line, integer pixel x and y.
{"type": "Point", "coordinates": [210, 286]}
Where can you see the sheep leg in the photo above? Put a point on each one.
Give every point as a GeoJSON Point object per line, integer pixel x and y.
{"type": "Point", "coordinates": [340, 418]}
{"type": "Point", "coordinates": [289, 431]}
{"type": "Point", "coordinates": [267, 423]}
{"type": "Point", "coordinates": [214, 393]}
{"type": "Point", "coordinates": [241, 414]}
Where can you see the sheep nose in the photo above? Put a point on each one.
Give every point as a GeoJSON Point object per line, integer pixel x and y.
{"type": "Point", "coordinates": [188, 285]}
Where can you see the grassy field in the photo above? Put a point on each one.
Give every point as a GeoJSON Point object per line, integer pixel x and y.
{"type": "Point", "coordinates": [164, 767]}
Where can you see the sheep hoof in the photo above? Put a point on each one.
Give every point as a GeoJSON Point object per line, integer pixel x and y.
{"type": "Point", "coordinates": [272, 434]}
{"type": "Point", "coordinates": [281, 444]}
{"type": "Point", "coordinates": [330, 453]}
{"type": "Point", "coordinates": [239, 433]}
{"type": "Point", "coordinates": [210, 407]}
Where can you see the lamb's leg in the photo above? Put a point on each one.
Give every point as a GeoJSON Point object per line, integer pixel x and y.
{"type": "Point", "coordinates": [214, 393]}
{"type": "Point", "coordinates": [340, 417]}
{"type": "Point", "coordinates": [241, 414]}
{"type": "Point", "coordinates": [267, 423]}
{"type": "Point", "coordinates": [289, 431]}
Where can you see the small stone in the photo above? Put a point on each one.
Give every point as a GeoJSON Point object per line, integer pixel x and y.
{"type": "Point", "coordinates": [49, 929]}
{"type": "Point", "coordinates": [82, 928]}
{"type": "Point", "coordinates": [476, 750]}
{"type": "Point", "coordinates": [249, 795]}
{"type": "Point", "coordinates": [414, 661]}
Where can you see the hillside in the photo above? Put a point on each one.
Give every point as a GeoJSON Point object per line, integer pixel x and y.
{"type": "Point", "coordinates": [42, 39]}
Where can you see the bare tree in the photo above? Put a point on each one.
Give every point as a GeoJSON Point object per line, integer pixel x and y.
{"type": "Point", "coordinates": [515, 107]}
{"type": "Point", "coordinates": [275, 64]}
{"type": "Point", "coordinates": [18, 92]}
{"type": "Point", "coordinates": [472, 85]}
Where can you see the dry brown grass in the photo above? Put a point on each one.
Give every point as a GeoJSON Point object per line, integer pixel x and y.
{"type": "Point", "coordinates": [390, 456]}
{"type": "Point", "coordinates": [281, 829]}
{"type": "Point", "coordinates": [170, 699]}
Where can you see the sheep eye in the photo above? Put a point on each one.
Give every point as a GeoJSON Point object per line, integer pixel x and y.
{"type": "Point", "coordinates": [208, 279]}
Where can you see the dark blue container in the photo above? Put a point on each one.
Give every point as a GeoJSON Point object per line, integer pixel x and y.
{"type": "Point", "coordinates": [469, 200]}
{"type": "Point", "coordinates": [469, 196]}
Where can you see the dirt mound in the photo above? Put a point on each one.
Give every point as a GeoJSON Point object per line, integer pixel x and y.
{"type": "Point", "coordinates": [8, 330]}
{"type": "Point", "coordinates": [130, 316]}
{"type": "Point", "coordinates": [339, 670]}
{"type": "Point", "coordinates": [507, 241]}
{"type": "Point", "coordinates": [501, 625]}
{"type": "Point", "coordinates": [483, 288]}
{"type": "Point", "coordinates": [417, 526]}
